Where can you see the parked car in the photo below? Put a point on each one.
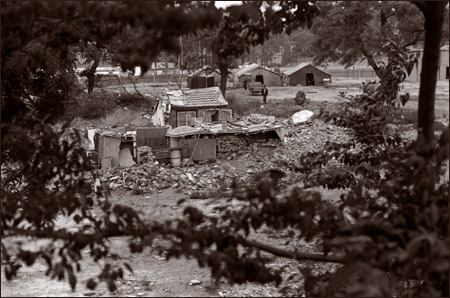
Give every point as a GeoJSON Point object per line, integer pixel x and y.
{"type": "Point", "coordinates": [255, 87]}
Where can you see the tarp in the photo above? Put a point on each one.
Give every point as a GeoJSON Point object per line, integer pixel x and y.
{"type": "Point", "coordinates": [301, 116]}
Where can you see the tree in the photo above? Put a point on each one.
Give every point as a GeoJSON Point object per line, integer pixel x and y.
{"type": "Point", "coordinates": [246, 25]}
{"type": "Point", "coordinates": [302, 40]}
{"type": "Point", "coordinates": [264, 53]}
{"type": "Point", "coordinates": [42, 167]}
{"type": "Point", "coordinates": [384, 228]}
{"type": "Point", "coordinates": [351, 31]}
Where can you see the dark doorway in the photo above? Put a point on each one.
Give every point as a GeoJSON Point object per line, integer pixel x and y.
{"type": "Point", "coordinates": [259, 78]}
{"type": "Point", "coordinates": [309, 79]}
{"type": "Point", "coordinates": [446, 73]}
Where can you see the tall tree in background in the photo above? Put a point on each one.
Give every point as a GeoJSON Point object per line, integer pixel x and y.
{"type": "Point", "coordinates": [348, 32]}
{"type": "Point", "coordinates": [251, 24]}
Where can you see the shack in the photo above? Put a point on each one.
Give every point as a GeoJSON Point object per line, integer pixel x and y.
{"type": "Point", "coordinates": [306, 74]}
{"type": "Point", "coordinates": [189, 107]}
{"type": "Point", "coordinates": [200, 81]}
{"type": "Point", "coordinates": [256, 73]}
{"type": "Point", "coordinates": [203, 78]}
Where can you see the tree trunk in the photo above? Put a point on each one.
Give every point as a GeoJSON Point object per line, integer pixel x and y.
{"type": "Point", "coordinates": [223, 78]}
{"type": "Point", "coordinates": [434, 16]}
{"type": "Point", "coordinates": [90, 75]}
{"type": "Point", "coordinates": [372, 63]}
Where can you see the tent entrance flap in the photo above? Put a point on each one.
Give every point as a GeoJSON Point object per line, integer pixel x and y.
{"type": "Point", "coordinates": [310, 79]}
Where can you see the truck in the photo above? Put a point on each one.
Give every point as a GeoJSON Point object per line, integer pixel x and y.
{"type": "Point", "coordinates": [255, 88]}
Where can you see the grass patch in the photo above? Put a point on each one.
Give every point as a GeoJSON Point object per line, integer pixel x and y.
{"type": "Point", "coordinates": [135, 101]}
{"type": "Point", "coordinates": [404, 116]}
{"type": "Point", "coordinates": [279, 109]}
{"type": "Point", "coordinates": [120, 117]}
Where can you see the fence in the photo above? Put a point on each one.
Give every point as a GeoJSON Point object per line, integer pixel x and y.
{"type": "Point", "coordinates": [156, 79]}
{"type": "Point", "coordinates": [351, 73]}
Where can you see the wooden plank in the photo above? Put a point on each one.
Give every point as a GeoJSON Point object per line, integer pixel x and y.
{"type": "Point", "coordinates": [154, 137]}
{"type": "Point", "coordinates": [109, 146]}
{"type": "Point", "coordinates": [205, 150]}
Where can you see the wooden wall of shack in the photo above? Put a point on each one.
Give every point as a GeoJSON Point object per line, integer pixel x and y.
{"type": "Point", "coordinates": [199, 113]}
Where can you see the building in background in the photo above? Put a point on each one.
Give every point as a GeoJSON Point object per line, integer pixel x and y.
{"type": "Point", "coordinates": [255, 73]}
{"type": "Point", "coordinates": [306, 74]}
{"type": "Point", "coordinates": [443, 70]}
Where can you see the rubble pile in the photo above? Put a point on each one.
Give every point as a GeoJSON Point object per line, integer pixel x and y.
{"type": "Point", "coordinates": [145, 155]}
{"type": "Point", "coordinates": [255, 152]}
{"type": "Point", "coordinates": [300, 139]}
{"type": "Point", "coordinates": [149, 177]}
{"type": "Point", "coordinates": [232, 146]}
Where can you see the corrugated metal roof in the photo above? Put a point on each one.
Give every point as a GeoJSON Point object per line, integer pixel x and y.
{"type": "Point", "coordinates": [197, 98]}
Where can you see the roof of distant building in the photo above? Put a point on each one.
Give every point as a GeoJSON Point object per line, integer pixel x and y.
{"type": "Point", "coordinates": [247, 69]}
{"type": "Point", "coordinates": [294, 69]}
{"type": "Point", "coordinates": [197, 98]}
{"type": "Point", "coordinates": [250, 68]}
{"type": "Point", "coordinates": [205, 71]}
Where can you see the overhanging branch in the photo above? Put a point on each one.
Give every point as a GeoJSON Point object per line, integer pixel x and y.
{"type": "Point", "coordinates": [291, 254]}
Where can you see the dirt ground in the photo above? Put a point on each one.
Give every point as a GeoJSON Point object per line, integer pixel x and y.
{"type": "Point", "coordinates": [153, 275]}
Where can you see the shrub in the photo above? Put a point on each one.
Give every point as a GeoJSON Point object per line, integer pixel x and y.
{"type": "Point", "coordinates": [135, 100]}
{"type": "Point", "coordinates": [242, 107]}
{"type": "Point", "coordinates": [91, 106]}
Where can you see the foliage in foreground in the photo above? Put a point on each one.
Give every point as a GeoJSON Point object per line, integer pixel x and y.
{"type": "Point", "coordinates": [391, 225]}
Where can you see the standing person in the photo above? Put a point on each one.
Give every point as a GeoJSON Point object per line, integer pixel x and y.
{"type": "Point", "coordinates": [264, 94]}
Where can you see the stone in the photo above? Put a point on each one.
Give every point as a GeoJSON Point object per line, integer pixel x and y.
{"type": "Point", "coordinates": [195, 282]}
{"type": "Point", "coordinates": [300, 98]}
{"type": "Point", "coordinates": [90, 293]}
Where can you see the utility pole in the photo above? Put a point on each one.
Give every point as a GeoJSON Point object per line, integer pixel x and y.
{"type": "Point", "coordinates": [181, 61]}
{"type": "Point", "coordinates": [181, 56]}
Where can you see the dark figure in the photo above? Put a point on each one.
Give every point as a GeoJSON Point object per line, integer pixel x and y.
{"type": "Point", "coordinates": [264, 94]}
{"type": "Point", "coordinates": [245, 84]}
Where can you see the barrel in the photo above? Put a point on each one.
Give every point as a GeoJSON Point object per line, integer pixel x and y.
{"type": "Point", "coordinates": [175, 158]}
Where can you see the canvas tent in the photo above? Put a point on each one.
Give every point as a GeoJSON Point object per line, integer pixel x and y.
{"type": "Point", "coordinates": [305, 74]}
{"type": "Point", "coordinates": [255, 73]}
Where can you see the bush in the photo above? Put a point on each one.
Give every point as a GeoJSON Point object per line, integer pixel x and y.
{"type": "Point", "coordinates": [135, 101]}
{"type": "Point", "coordinates": [241, 107]}
{"type": "Point", "coordinates": [91, 106]}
